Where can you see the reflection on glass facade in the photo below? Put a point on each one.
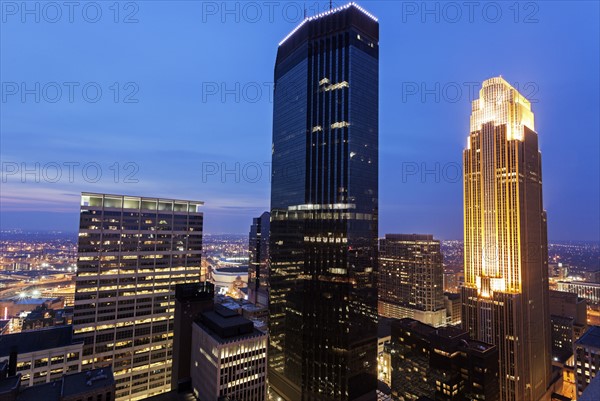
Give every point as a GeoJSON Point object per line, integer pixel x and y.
{"type": "Point", "coordinates": [323, 240]}
{"type": "Point", "coordinates": [131, 253]}
{"type": "Point", "coordinates": [505, 297]}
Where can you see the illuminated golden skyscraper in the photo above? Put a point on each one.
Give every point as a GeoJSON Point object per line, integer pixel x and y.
{"type": "Point", "coordinates": [505, 298]}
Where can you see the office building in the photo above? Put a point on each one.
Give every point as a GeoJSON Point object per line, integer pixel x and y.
{"type": "Point", "coordinates": [191, 300]}
{"type": "Point", "coordinates": [91, 385]}
{"type": "Point", "coordinates": [505, 298]}
{"type": "Point", "coordinates": [324, 209]}
{"type": "Point", "coordinates": [451, 282]}
{"type": "Point", "coordinates": [411, 278]}
{"type": "Point", "coordinates": [453, 305]}
{"type": "Point", "coordinates": [592, 276]}
{"type": "Point", "coordinates": [43, 355]}
{"type": "Point", "coordinates": [258, 254]}
{"type": "Point", "coordinates": [587, 358]}
{"type": "Point", "coordinates": [568, 318]}
{"type": "Point", "coordinates": [229, 357]}
{"type": "Point", "coordinates": [441, 364]}
{"type": "Point", "coordinates": [132, 251]}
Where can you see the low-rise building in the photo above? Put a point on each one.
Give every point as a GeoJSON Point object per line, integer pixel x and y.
{"type": "Point", "coordinates": [229, 357]}
{"type": "Point", "coordinates": [587, 358]}
{"type": "Point", "coordinates": [42, 356]}
{"type": "Point", "coordinates": [94, 385]}
{"type": "Point", "coordinates": [441, 363]}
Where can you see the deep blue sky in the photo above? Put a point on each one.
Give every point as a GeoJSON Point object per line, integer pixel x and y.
{"type": "Point", "coordinates": [177, 52]}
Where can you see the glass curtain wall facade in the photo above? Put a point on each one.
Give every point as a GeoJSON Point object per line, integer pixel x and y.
{"type": "Point", "coordinates": [131, 253]}
{"type": "Point", "coordinates": [324, 208]}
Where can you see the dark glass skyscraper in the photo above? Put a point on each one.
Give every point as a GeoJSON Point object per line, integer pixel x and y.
{"type": "Point", "coordinates": [258, 258]}
{"type": "Point", "coordinates": [323, 295]}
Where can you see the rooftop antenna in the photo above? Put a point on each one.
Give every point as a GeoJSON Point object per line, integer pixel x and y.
{"type": "Point", "coordinates": [304, 10]}
{"type": "Point", "coordinates": [330, 4]}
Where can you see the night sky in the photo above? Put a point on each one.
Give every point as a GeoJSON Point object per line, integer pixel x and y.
{"type": "Point", "coordinates": [186, 94]}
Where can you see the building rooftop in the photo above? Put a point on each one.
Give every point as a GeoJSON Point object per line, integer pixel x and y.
{"type": "Point", "coordinates": [34, 301]}
{"type": "Point", "coordinates": [452, 296]}
{"type": "Point", "coordinates": [173, 396]}
{"type": "Point", "coordinates": [591, 338]}
{"type": "Point", "coordinates": [592, 391]}
{"type": "Point", "coordinates": [69, 385]}
{"type": "Point", "coordinates": [384, 327]}
{"type": "Point", "coordinates": [31, 341]}
{"type": "Point", "coordinates": [88, 380]}
{"type": "Point", "coordinates": [586, 283]}
{"type": "Point", "coordinates": [410, 237]}
{"type": "Point", "coordinates": [226, 325]}
{"type": "Point", "coordinates": [9, 383]}
{"type": "Point", "coordinates": [47, 392]}
{"type": "Point", "coordinates": [194, 291]}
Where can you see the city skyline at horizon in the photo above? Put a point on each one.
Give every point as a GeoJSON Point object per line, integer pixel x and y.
{"type": "Point", "coordinates": [419, 190]}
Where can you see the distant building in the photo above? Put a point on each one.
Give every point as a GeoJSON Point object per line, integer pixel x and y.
{"type": "Point", "coordinates": [592, 276]}
{"type": "Point", "coordinates": [18, 266]}
{"type": "Point", "coordinates": [228, 280]}
{"type": "Point", "coordinates": [384, 359]}
{"type": "Point", "coordinates": [258, 255]}
{"type": "Point", "coordinates": [43, 355]}
{"type": "Point", "coordinates": [132, 251]}
{"type": "Point", "coordinates": [451, 282]}
{"type": "Point", "coordinates": [441, 363]}
{"type": "Point", "coordinates": [558, 270]}
{"type": "Point", "coordinates": [15, 306]}
{"type": "Point", "coordinates": [453, 305]}
{"type": "Point", "coordinates": [568, 317]}
{"type": "Point", "coordinates": [592, 391]}
{"type": "Point", "coordinates": [587, 358]}
{"type": "Point", "coordinates": [91, 385]}
{"type": "Point", "coordinates": [229, 357]}
{"type": "Point", "coordinates": [411, 278]}
{"type": "Point", "coordinates": [42, 317]}
{"type": "Point", "coordinates": [589, 291]}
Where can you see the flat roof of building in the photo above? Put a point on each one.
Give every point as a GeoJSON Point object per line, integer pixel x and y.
{"type": "Point", "coordinates": [31, 341]}
{"type": "Point", "coordinates": [69, 385]}
{"type": "Point", "coordinates": [173, 395]}
{"type": "Point", "coordinates": [586, 283]}
{"type": "Point", "coordinates": [591, 338]}
{"type": "Point", "coordinates": [226, 325]}
{"type": "Point", "coordinates": [146, 198]}
{"type": "Point", "coordinates": [88, 380]}
{"type": "Point", "coordinates": [592, 391]}
{"type": "Point", "coordinates": [47, 392]}
{"type": "Point", "coordinates": [9, 383]}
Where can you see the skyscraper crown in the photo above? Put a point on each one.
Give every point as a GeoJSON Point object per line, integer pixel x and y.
{"type": "Point", "coordinates": [499, 102]}
{"type": "Point", "coordinates": [327, 13]}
